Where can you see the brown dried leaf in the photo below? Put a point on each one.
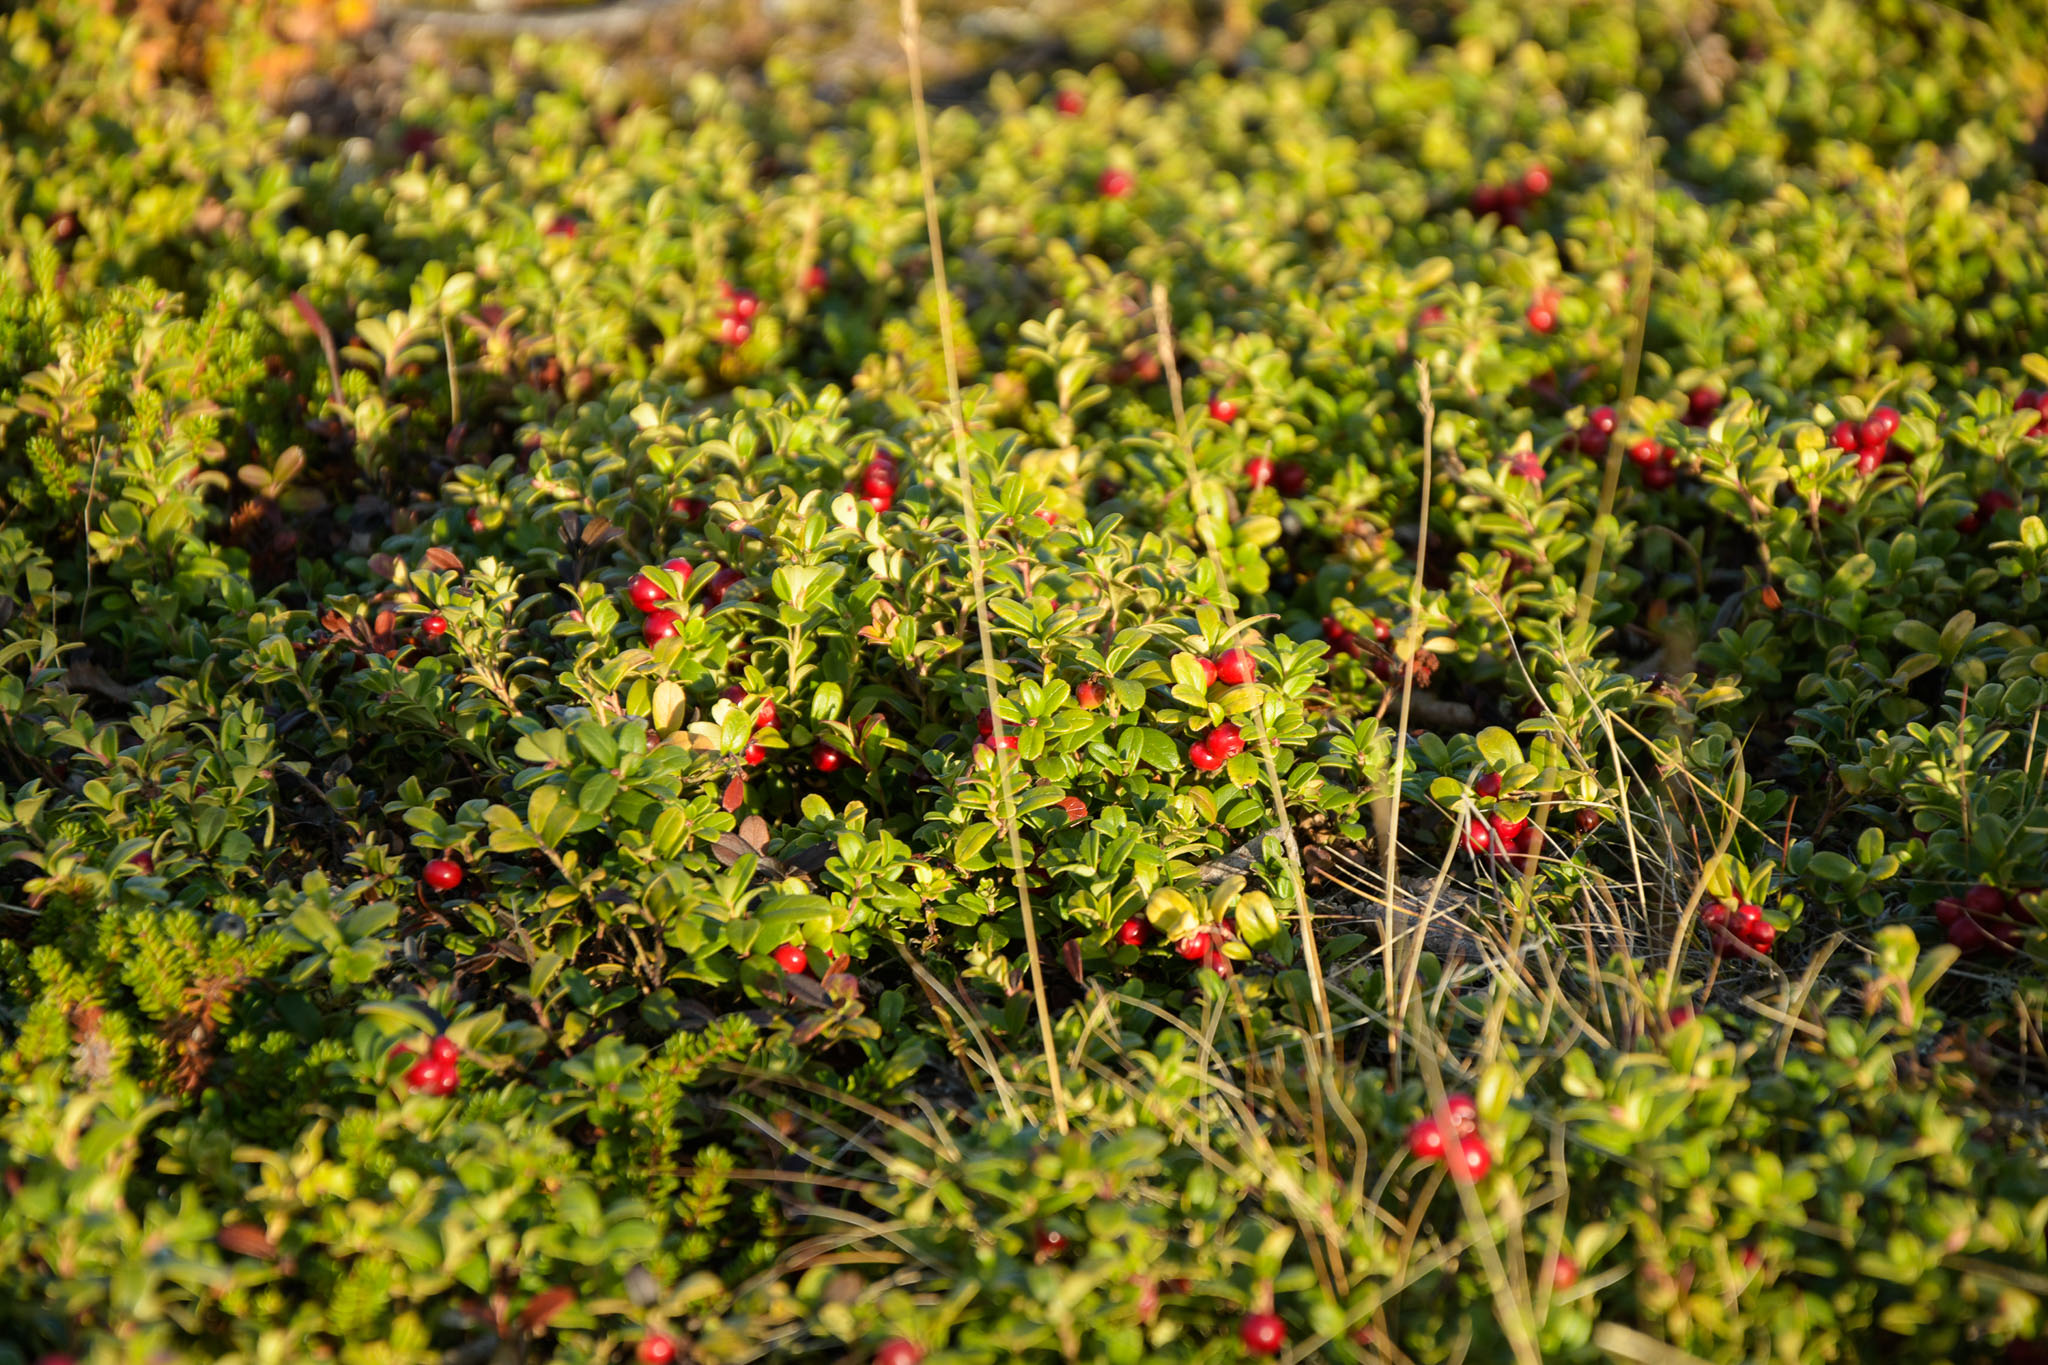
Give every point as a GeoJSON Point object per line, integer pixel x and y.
{"type": "Point", "coordinates": [1070, 958]}
{"type": "Point", "coordinates": [246, 1239]}
{"type": "Point", "coordinates": [444, 559]}
{"type": "Point", "coordinates": [544, 1305]}
{"type": "Point", "coordinates": [754, 830]}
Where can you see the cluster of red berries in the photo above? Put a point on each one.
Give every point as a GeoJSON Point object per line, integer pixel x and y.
{"type": "Point", "coordinates": [1452, 1138]}
{"type": "Point", "coordinates": [1657, 461]}
{"type": "Point", "coordinates": [437, 1073]}
{"type": "Point", "coordinates": [1115, 183]}
{"type": "Point", "coordinates": [1869, 440]}
{"type": "Point", "coordinates": [1288, 478]}
{"type": "Point", "coordinates": [1984, 916]}
{"type": "Point", "coordinates": [1496, 834]}
{"type": "Point", "coordinates": [1510, 199]}
{"type": "Point", "coordinates": [1206, 946]}
{"type": "Point", "coordinates": [1343, 640]}
{"type": "Point", "coordinates": [990, 742]}
{"type": "Point", "coordinates": [736, 318]}
{"type": "Point", "coordinates": [1542, 314]}
{"type": "Point", "coordinates": [876, 485]}
{"type": "Point", "coordinates": [1989, 504]}
{"type": "Point", "coordinates": [1700, 406]}
{"type": "Point", "coordinates": [649, 597]}
{"type": "Point", "coordinates": [1741, 923]}
{"type": "Point", "coordinates": [1224, 742]}
{"type": "Point", "coordinates": [1593, 438]}
{"type": "Point", "coordinates": [764, 719]}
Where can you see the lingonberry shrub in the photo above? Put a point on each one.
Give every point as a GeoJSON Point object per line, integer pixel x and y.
{"type": "Point", "coordinates": [509, 844]}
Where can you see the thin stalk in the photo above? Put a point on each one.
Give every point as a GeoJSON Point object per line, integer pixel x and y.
{"type": "Point", "coordinates": [970, 504]}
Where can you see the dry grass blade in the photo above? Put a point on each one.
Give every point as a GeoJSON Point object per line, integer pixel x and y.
{"type": "Point", "coordinates": [970, 505]}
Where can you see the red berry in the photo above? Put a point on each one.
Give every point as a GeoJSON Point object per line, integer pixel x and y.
{"type": "Point", "coordinates": [1258, 470]}
{"type": "Point", "coordinates": [878, 483]}
{"type": "Point", "coordinates": [1076, 809]}
{"type": "Point", "coordinates": [1881, 425]}
{"type": "Point", "coordinates": [443, 874]}
{"type": "Point", "coordinates": [144, 861]}
{"type": "Point", "coordinates": [689, 509]}
{"type": "Point", "coordinates": [1089, 694]}
{"type": "Point", "coordinates": [1115, 184]}
{"type": "Point", "coordinates": [1506, 830]}
{"type": "Point", "coordinates": [1290, 479]}
{"type": "Point", "coordinates": [656, 1350]}
{"type": "Point", "coordinates": [1008, 743]}
{"type": "Point", "coordinates": [1208, 667]}
{"type": "Point", "coordinates": [1601, 420]}
{"type": "Point", "coordinates": [721, 582]}
{"type": "Point", "coordinates": [1659, 476]}
{"type": "Point", "coordinates": [645, 593]}
{"type": "Point", "coordinates": [1426, 1139]}
{"type": "Point", "coordinates": [1702, 403]}
{"type": "Point", "coordinates": [1715, 916]}
{"type": "Point", "coordinates": [1591, 441]}
{"type": "Point", "coordinates": [1984, 900]}
{"type": "Point", "coordinates": [1969, 935]}
{"type": "Point", "coordinates": [897, 1351]}
{"type": "Point", "coordinates": [1947, 911]}
{"type": "Point", "coordinates": [1743, 920]}
{"type": "Point", "coordinates": [1382, 631]}
{"type": "Point", "coordinates": [745, 303]}
{"type": "Point", "coordinates": [2029, 398]}
{"type": "Point", "coordinates": [659, 626]}
{"type": "Point", "coordinates": [754, 756]}
{"type": "Point", "coordinates": [1203, 757]}
{"type": "Point", "coordinates": [1477, 1157]}
{"type": "Point", "coordinates": [1536, 182]}
{"type": "Point", "coordinates": [1763, 935]}
{"type": "Point", "coordinates": [1069, 102]}
{"type": "Point", "coordinates": [1485, 200]}
{"type": "Point", "coordinates": [1226, 741]}
{"type": "Point", "coordinates": [1132, 933]}
{"type": "Point", "coordinates": [881, 502]}
{"type": "Point", "coordinates": [1430, 316]}
{"type": "Point", "coordinates": [985, 722]}
{"type": "Point", "coordinates": [816, 278]}
{"type": "Point", "coordinates": [444, 1050]}
{"type": "Point", "coordinates": [1464, 1114]}
{"type": "Point", "coordinates": [1846, 436]}
{"type": "Point", "coordinates": [1564, 1272]}
{"type": "Point", "coordinates": [1263, 1334]}
{"type": "Point", "coordinates": [1646, 452]}
{"type": "Point", "coordinates": [792, 958]}
{"type": "Point", "coordinates": [1541, 319]}
{"type": "Point", "coordinates": [435, 626]}
{"type": "Point", "coordinates": [1478, 837]}
{"type": "Point", "coordinates": [428, 1077]}
{"type": "Point", "coordinates": [1589, 819]}
{"type": "Point", "coordinates": [1486, 785]}
{"type": "Point", "coordinates": [826, 759]}
{"type": "Point", "coordinates": [1193, 946]}
{"type": "Point", "coordinates": [733, 332]}
{"type": "Point", "coordinates": [1051, 1241]}
{"type": "Point", "coordinates": [1222, 409]}
{"type": "Point", "coordinates": [1235, 666]}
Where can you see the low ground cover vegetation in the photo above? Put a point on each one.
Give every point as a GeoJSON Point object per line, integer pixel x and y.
{"type": "Point", "coordinates": [1437, 759]}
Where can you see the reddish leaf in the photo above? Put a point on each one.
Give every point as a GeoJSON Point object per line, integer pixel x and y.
{"type": "Point", "coordinates": [735, 794]}
{"type": "Point", "coordinates": [443, 559]}
{"type": "Point", "coordinates": [543, 1306]}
